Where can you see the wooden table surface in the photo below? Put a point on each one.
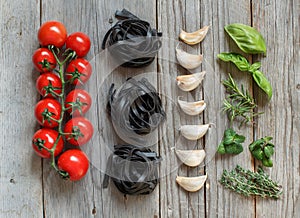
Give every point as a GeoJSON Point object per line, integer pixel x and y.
{"type": "Point", "coordinates": [30, 188]}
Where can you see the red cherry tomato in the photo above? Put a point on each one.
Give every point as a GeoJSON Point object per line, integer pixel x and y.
{"type": "Point", "coordinates": [45, 110]}
{"type": "Point", "coordinates": [79, 131]}
{"type": "Point", "coordinates": [78, 101]}
{"type": "Point", "coordinates": [46, 137]}
{"type": "Point", "coordinates": [79, 42]}
{"type": "Point", "coordinates": [47, 84]}
{"type": "Point", "coordinates": [75, 163]}
{"type": "Point", "coordinates": [43, 60]}
{"type": "Point", "coordinates": [78, 71]}
{"type": "Point", "coordinates": [52, 33]}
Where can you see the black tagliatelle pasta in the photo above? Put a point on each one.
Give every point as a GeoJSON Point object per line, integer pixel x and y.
{"type": "Point", "coordinates": [132, 169]}
{"type": "Point", "coordinates": [132, 41]}
{"type": "Point", "coordinates": [136, 110]}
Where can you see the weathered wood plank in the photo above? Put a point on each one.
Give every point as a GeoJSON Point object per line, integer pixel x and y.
{"type": "Point", "coordinates": [20, 169]}
{"type": "Point", "coordinates": [87, 198]}
{"type": "Point", "coordinates": [278, 22]}
{"type": "Point", "coordinates": [174, 201]}
{"type": "Point", "coordinates": [222, 202]}
{"type": "Point", "coordinates": [110, 201]}
{"type": "Point", "coordinates": [64, 198]}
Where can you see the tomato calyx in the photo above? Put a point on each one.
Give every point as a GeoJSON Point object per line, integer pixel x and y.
{"type": "Point", "coordinates": [50, 89]}
{"type": "Point", "coordinates": [77, 105]}
{"type": "Point", "coordinates": [46, 64]}
{"type": "Point", "coordinates": [76, 133]}
{"type": "Point", "coordinates": [40, 143]}
{"type": "Point", "coordinates": [63, 174]}
{"type": "Point", "coordinates": [76, 75]}
{"type": "Point", "coordinates": [47, 116]}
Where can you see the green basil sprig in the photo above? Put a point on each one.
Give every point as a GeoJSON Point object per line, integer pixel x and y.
{"type": "Point", "coordinates": [262, 82]}
{"type": "Point", "coordinates": [247, 38]}
{"type": "Point", "coordinates": [243, 65]}
{"type": "Point", "coordinates": [231, 143]}
{"type": "Point", "coordinates": [262, 150]}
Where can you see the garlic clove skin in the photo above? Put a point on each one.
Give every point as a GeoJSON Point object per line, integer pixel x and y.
{"type": "Point", "coordinates": [194, 37]}
{"type": "Point", "coordinates": [191, 81]}
{"type": "Point", "coordinates": [191, 184]}
{"type": "Point", "coordinates": [192, 108]}
{"type": "Point", "coordinates": [191, 158]}
{"type": "Point", "coordinates": [188, 61]}
{"type": "Point", "coordinates": [194, 132]}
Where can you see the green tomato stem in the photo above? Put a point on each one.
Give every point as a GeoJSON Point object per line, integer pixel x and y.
{"type": "Point", "coordinates": [61, 97]}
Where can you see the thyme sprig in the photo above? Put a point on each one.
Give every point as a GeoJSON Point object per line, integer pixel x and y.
{"type": "Point", "coordinates": [249, 183]}
{"type": "Point", "coordinates": [239, 103]}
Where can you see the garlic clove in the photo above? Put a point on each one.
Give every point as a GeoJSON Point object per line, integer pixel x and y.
{"type": "Point", "coordinates": [192, 108]}
{"type": "Point", "coordinates": [191, 184]}
{"type": "Point", "coordinates": [191, 158]}
{"type": "Point", "coordinates": [194, 37]}
{"type": "Point", "coordinates": [188, 61]}
{"type": "Point", "coordinates": [191, 81]}
{"type": "Point", "coordinates": [194, 132]}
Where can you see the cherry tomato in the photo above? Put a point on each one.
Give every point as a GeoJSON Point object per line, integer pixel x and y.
{"type": "Point", "coordinates": [78, 71]}
{"type": "Point", "coordinates": [46, 137]}
{"type": "Point", "coordinates": [47, 84]}
{"type": "Point", "coordinates": [75, 163]}
{"type": "Point", "coordinates": [79, 42]}
{"type": "Point", "coordinates": [79, 131]}
{"type": "Point", "coordinates": [45, 110]}
{"type": "Point", "coordinates": [52, 33]}
{"type": "Point", "coordinates": [43, 60]}
{"type": "Point", "coordinates": [78, 101]}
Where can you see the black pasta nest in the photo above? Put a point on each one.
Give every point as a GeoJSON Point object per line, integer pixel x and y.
{"type": "Point", "coordinates": [136, 110]}
{"type": "Point", "coordinates": [133, 170]}
{"type": "Point", "coordinates": [132, 41]}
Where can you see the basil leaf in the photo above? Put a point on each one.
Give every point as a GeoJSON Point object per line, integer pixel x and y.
{"type": "Point", "coordinates": [267, 162]}
{"type": "Point", "coordinates": [262, 82]}
{"type": "Point", "coordinates": [268, 151]}
{"type": "Point", "coordinates": [254, 67]}
{"type": "Point", "coordinates": [221, 149]}
{"type": "Point", "coordinates": [248, 39]}
{"type": "Point", "coordinates": [239, 60]}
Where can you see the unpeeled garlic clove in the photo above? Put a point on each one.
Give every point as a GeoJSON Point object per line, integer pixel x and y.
{"type": "Point", "coordinates": [194, 37]}
{"type": "Point", "coordinates": [194, 132]}
{"type": "Point", "coordinates": [188, 61]}
{"type": "Point", "coordinates": [191, 81]}
{"type": "Point", "coordinates": [191, 184]}
{"type": "Point", "coordinates": [192, 108]}
{"type": "Point", "coordinates": [191, 158]}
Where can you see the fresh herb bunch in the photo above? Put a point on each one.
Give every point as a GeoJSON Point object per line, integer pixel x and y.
{"type": "Point", "coordinates": [239, 103]}
{"type": "Point", "coordinates": [262, 150]}
{"type": "Point", "coordinates": [248, 183]}
{"type": "Point", "coordinates": [231, 143]}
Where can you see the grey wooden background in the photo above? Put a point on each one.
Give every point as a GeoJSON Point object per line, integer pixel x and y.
{"type": "Point", "coordinates": [29, 188]}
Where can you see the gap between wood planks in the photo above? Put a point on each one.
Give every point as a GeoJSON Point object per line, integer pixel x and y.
{"type": "Point", "coordinates": [255, 118]}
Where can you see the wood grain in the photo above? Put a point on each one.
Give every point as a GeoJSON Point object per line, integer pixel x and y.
{"type": "Point", "coordinates": [30, 188]}
{"type": "Point", "coordinates": [20, 170]}
{"type": "Point", "coordinates": [279, 22]}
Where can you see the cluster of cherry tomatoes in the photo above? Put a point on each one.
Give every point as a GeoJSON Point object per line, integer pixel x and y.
{"type": "Point", "coordinates": [57, 50]}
